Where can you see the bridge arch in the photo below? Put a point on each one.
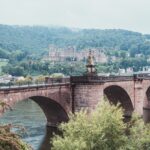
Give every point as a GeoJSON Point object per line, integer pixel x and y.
{"type": "Point", "coordinates": [116, 94]}
{"type": "Point", "coordinates": [55, 101]}
{"type": "Point", "coordinates": [146, 105]}
{"type": "Point", "coordinates": [147, 97]}
{"type": "Point", "coordinates": [53, 111]}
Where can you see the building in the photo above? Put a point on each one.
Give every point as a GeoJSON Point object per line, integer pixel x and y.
{"type": "Point", "coordinates": [71, 54]}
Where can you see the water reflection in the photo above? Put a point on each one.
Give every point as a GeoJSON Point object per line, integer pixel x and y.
{"type": "Point", "coordinates": [29, 115]}
{"type": "Point", "coordinates": [45, 144]}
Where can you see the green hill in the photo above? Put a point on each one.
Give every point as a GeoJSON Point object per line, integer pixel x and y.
{"type": "Point", "coordinates": [24, 46]}
{"type": "Point", "coordinates": [37, 38]}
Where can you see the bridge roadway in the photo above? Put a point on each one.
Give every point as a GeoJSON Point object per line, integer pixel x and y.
{"type": "Point", "coordinates": [58, 97]}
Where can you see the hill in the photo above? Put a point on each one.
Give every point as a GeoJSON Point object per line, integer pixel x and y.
{"type": "Point", "coordinates": [37, 38]}
{"type": "Point", "coordinates": [24, 46]}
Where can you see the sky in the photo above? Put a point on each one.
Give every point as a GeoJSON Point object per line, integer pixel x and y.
{"type": "Point", "coordinates": [102, 14]}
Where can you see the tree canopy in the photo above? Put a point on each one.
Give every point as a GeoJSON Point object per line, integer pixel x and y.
{"type": "Point", "coordinates": [104, 129]}
{"type": "Point", "coordinates": [25, 46]}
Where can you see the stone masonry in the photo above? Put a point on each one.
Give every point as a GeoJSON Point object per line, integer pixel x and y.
{"type": "Point", "coordinates": [57, 100]}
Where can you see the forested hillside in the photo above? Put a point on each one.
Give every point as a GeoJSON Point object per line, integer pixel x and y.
{"type": "Point", "coordinates": [24, 47]}
{"type": "Point", "coordinates": [38, 38]}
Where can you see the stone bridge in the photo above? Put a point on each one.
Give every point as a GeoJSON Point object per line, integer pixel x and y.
{"type": "Point", "coordinates": [58, 99]}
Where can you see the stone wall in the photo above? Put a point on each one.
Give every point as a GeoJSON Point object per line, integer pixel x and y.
{"type": "Point", "coordinates": [87, 96]}
{"type": "Point", "coordinates": [64, 98]}
{"type": "Point", "coordinates": [55, 100]}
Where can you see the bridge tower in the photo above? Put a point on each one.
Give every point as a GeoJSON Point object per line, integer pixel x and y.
{"type": "Point", "coordinates": [85, 92]}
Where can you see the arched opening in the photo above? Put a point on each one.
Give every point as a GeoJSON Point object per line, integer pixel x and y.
{"type": "Point", "coordinates": [146, 108]}
{"type": "Point", "coordinates": [116, 94]}
{"type": "Point", "coordinates": [148, 96]}
{"type": "Point", "coordinates": [55, 114]}
{"type": "Point", "coordinates": [27, 115]}
{"type": "Point", "coordinates": [53, 111]}
{"type": "Point", "coordinates": [32, 114]}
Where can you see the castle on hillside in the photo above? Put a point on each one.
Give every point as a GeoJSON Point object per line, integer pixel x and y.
{"type": "Point", "coordinates": [71, 54]}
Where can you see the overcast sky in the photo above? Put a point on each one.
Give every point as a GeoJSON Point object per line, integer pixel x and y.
{"type": "Point", "coordinates": [103, 14]}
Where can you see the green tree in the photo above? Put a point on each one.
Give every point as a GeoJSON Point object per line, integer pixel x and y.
{"type": "Point", "coordinates": [123, 54]}
{"type": "Point", "coordinates": [40, 79]}
{"type": "Point", "coordinates": [103, 129]}
{"type": "Point", "coordinates": [8, 139]}
{"type": "Point", "coordinates": [139, 134]}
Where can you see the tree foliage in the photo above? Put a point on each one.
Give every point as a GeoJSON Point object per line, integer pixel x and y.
{"type": "Point", "coordinates": [104, 129]}
{"type": "Point", "coordinates": [37, 38]}
{"type": "Point", "coordinates": [8, 139]}
{"type": "Point", "coordinates": [25, 46]}
{"type": "Point", "coordinates": [11, 141]}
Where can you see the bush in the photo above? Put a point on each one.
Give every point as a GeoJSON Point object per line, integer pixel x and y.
{"type": "Point", "coordinates": [8, 139]}
{"type": "Point", "coordinates": [11, 141]}
{"type": "Point", "coordinates": [57, 75]}
{"type": "Point", "coordinates": [40, 79]}
{"type": "Point", "coordinates": [103, 129]}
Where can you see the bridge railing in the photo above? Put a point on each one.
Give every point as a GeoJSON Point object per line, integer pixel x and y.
{"type": "Point", "coordinates": [20, 85]}
{"type": "Point", "coordinates": [87, 79]}
{"type": "Point", "coordinates": [118, 78]}
{"type": "Point", "coordinates": [47, 82]}
{"type": "Point", "coordinates": [142, 76]}
{"type": "Point", "coordinates": [97, 79]}
{"type": "Point", "coordinates": [75, 79]}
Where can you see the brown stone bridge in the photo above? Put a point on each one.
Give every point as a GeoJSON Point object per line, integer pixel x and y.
{"type": "Point", "coordinates": [58, 99]}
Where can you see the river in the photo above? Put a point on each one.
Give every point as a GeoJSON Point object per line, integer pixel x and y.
{"type": "Point", "coordinates": [29, 115]}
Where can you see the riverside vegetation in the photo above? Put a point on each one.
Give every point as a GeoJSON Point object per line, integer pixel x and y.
{"type": "Point", "coordinates": [104, 129]}
{"type": "Point", "coordinates": [8, 139]}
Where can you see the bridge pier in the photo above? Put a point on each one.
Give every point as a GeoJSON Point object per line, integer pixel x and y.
{"type": "Point", "coordinates": [146, 109]}
{"type": "Point", "coordinates": [87, 96]}
{"type": "Point", "coordinates": [138, 97]}
{"type": "Point", "coordinates": [146, 114]}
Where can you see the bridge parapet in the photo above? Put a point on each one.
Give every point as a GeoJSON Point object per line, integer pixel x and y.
{"type": "Point", "coordinates": [99, 79]}
{"type": "Point", "coordinates": [57, 80]}
{"type": "Point", "coordinates": [78, 79]}
{"type": "Point", "coordinates": [142, 76]}
{"type": "Point", "coordinates": [48, 82]}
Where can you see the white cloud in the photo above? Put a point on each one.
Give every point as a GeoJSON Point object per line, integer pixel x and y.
{"type": "Point", "coordinates": [127, 14]}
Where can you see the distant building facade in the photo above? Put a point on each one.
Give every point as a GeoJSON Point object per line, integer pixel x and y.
{"type": "Point", "coordinates": [71, 54]}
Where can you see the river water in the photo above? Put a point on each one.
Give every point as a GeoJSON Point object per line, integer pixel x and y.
{"type": "Point", "coordinates": [29, 115]}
